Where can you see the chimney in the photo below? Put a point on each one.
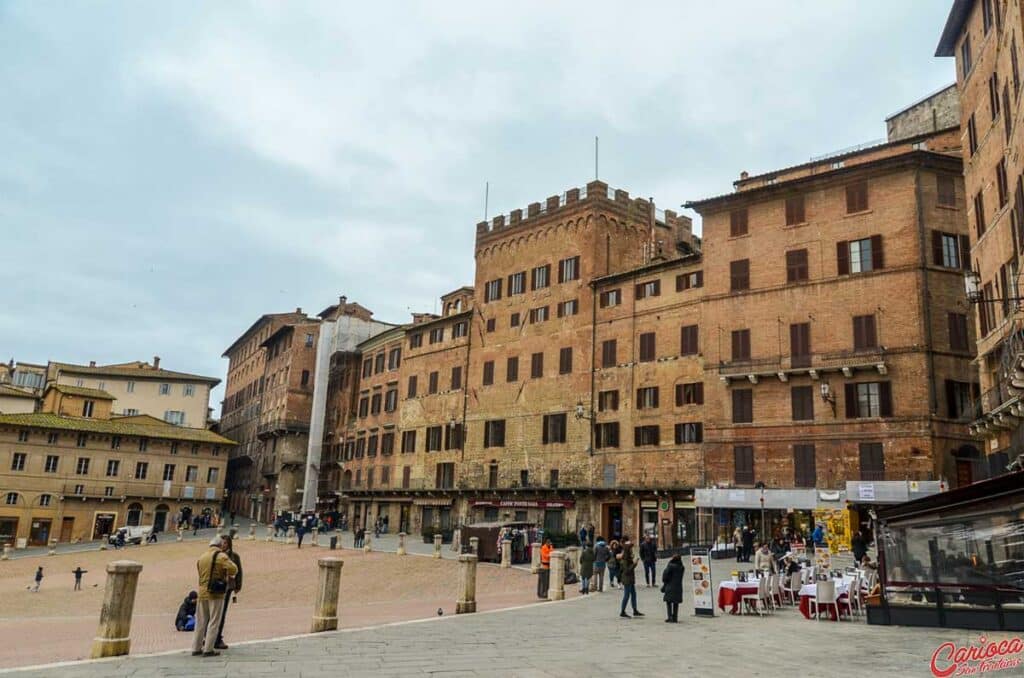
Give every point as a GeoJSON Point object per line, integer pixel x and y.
{"type": "Point", "coordinates": [92, 363]}
{"type": "Point", "coordinates": [298, 309]}
{"type": "Point", "coordinates": [342, 300]}
{"type": "Point", "coordinates": [156, 362]}
{"type": "Point", "coordinates": [744, 175]}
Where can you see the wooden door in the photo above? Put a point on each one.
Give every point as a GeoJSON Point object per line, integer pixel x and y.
{"type": "Point", "coordinates": [964, 472]}
{"type": "Point", "coordinates": [66, 528]}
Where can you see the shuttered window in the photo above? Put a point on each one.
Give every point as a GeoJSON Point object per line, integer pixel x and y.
{"type": "Point", "coordinates": [410, 392]}
{"type": "Point", "coordinates": [688, 281]}
{"type": "Point", "coordinates": [606, 434]}
{"type": "Point", "coordinates": [647, 398]}
{"type": "Point", "coordinates": [738, 222]}
{"type": "Point", "coordinates": [805, 473]}
{"type": "Point", "coordinates": [864, 335]}
{"type": "Point", "coordinates": [651, 288]}
{"type": "Point", "coordinates": [802, 398]}
{"type": "Point", "coordinates": [800, 344]}
{"type": "Point", "coordinates": [690, 394]}
{"type": "Point", "coordinates": [565, 360]}
{"type": "Point", "coordinates": [456, 378]}
{"type": "Point", "coordinates": [646, 435]}
{"type": "Point", "coordinates": [958, 339]}
{"type": "Point", "coordinates": [494, 433]}
{"type": "Point", "coordinates": [647, 347]}
{"type": "Point", "coordinates": [537, 365]}
{"type": "Point", "coordinates": [553, 429]}
{"type": "Point", "coordinates": [945, 188]}
{"type": "Point", "coordinates": [488, 373]}
{"type": "Point", "coordinates": [608, 401]}
{"type": "Point", "coordinates": [868, 399]}
{"type": "Point", "coordinates": [739, 275]}
{"type": "Point", "coordinates": [743, 464]}
{"type": "Point", "coordinates": [432, 381]}
{"type": "Point", "coordinates": [512, 369]}
{"type": "Point", "coordinates": [872, 461]}
{"type": "Point", "coordinates": [689, 343]}
{"type": "Point", "coordinates": [859, 256]}
{"type": "Point", "coordinates": [742, 406]}
{"type": "Point", "coordinates": [796, 265]}
{"type": "Point", "coordinates": [689, 432]}
{"type": "Point", "coordinates": [795, 210]}
{"type": "Point", "coordinates": [608, 353]}
{"type": "Point", "coordinates": [740, 345]}
{"type": "Point", "coordinates": [857, 197]}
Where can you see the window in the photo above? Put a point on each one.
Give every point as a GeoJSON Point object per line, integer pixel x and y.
{"type": "Point", "coordinates": [491, 324]}
{"type": "Point", "coordinates": [651, 288]}
{"type": "Point", "coordinates": [23, 436]}
{"type": "Point", "coordinates": [113, 468]}
{"type": "Point", "coordinates": [410, 391]}
{"type": "Point", "coordinates": [568, 308]}
{"type": "Point", "coordinates": [647, 398]}
{"type": "Point", "coordinates": [610, 298]}
{"type": "Point", "coordinates": [436, 335]}
{"type": "Point", "coordinates": [512, 369]}
{"type": "Point", "coordinates": [191, 474]}
{"type": "Point", "coordinates": [494, 433]}
{"type": "Point", "coordinates": [864, 335]}
{"type": "Point", "coordinates": [972, 135]}
{"type": "Point", "coordinates": [524, 478]}
{"type": "Point", "coordinates": [541, 277]}
{"type": "Point", "coordinates": [553, 430]}
{"type": "Point", "coordinates": [513, 320]}
{"type": "Point", "coordinates": [212, 475]}
{"type": "Point", "coordinates": [415, 341]}
{"type": "Point", "coordinates": [432, 380]}
{"type": "Point", "coordinates": [453, 437]}
{"type": "Point", "coordinates": [689, 281]}
{"type": "Point", "coordinates": [804, 469]}
{"type": "Point", "coordinates": [456, 378]}
{"type": "Point", "coordinates": [309, 340]}
{"type": "Point", "coordinates": [165, 389]}
{"type": "Point", "coordinates": [538, 315]}
{"type": "Point", "coordinates": [375, 403]}
{"type": "Point", "coordinates": [536, 365]}
{"type": "Point", "coordinates": [565, 360]}
{"type": "Point", "coordinates": [83, 438]}
{"type": "Point", "coordinates": [868, 399]}
{"type": "Point", "coordinates": [740, 345]}
{"type": "Point", "coordinates": [945, 187]}
{"type": "Point", "coordinates": [859, 256]}
{"type": "Point", "coordinates": [408, 442]}
{"type": "Point", "coordinates": [18, 461]}
{"type": "Point", "coordinates": [391, 400]}
{"type": "Point", "coordinates": [803, 402]}
{"type": "Point", "coordinates": [690, 394]}
{"type": "Point", "coordinates": [993, 96]}
{"type": "Point", "coordinates": [488, 373]}
{"type": "Point", "coordinates": [857, 197]}
{"type": "Point", "coordinates": [174, 447]}
{"type": "Point", "coordinates": [141, 470]}
{"type": "Point", "coordinates": [492, 475]}
{"type": "Point", "coordinates": [445, 476]}
{"type": "Point", "coordinates": [387, 444]}
{"type": "Point", "coordinates": [304, 380]}
{"type": "Point", "coordinates": [130, 387]}
{"type": "Point", "coordinates": [689, 340]}
{"type": "Point", "coordinates": [130, 411]}
{"type": "Point", "coordinates": [52, 462]}
{"type": "Point", "coordinates": [87, 407]}
{"type": "Point", "coordinates": [1001, 183]}
{"type": "Point", "coordinates": [492, 290]}
{"type": "Point", "coordinates": [607, 401]}
{"type": "Point", "coordinates": [364, 406]}
{"type": "Point", "coordinates": [743, 464]}
{"type": "Point", "coordinates": [175, 417]}
{"type": "Point", "coordinates": [12, 498]}
{"type": "Point", "coordinates": [143, 444]}
{"type": "Point", "coordinates": [872, 461]}
{"type": "Point", "coordinates": [433, 438]}
{"type": "Point", "coordinates": [739, 275]}
{"type": "Point", "coordinates": [1008, 118]}
{"type": "Point", "coordinates": [569, 269]}
{"type": "Point", "coordinates": [406, 477]}
{"type": "Point", "coordinates": [115, 442]}
{"type": "Point", "coordinates": [646, 435]}
{"type": "Point", "coordinates": [795, 210]}
{"type": "Point", "coordinates": [796, 265]}
{"type": "Point", "coordinates": [689, 432]}
{"type": "Point", "coordinates": [394, 358]}
{"type": "Point", "coordinates": [647, 347]}
{"type": "Point", "coordinates": [961, 397]}
{"type": "Point", "coordinates": [368, 368]}
{"type": "Point", "coordinates": [79, 489]}
{"type": "Point", "coordinates": [965, 58]}
{"type": "Point", "coordinates": [608, 353]}
{"type": "Point", "coordinates": [517, 283]}
{"type": "Point", "coordinates": [553, 478]}
{"type": "Point", "coordinates": [986, 15]}
{"type": "Point", "coordinates": [949, 250]}
{"type": "Point", "coordinates": [958, 338]}
{"type": "Point", "coordinates": [800, 344]}
{"type": "Point", "coordinates": [168, 471]}
{"type": "Point", "coordinates": [606, 434]}
{"type": "Point", "coordinates": [738, 222]}
{"type": "Point", "coordinates": [742, 406]}
{"type": "Point", "coordinates": [82, 467]}
{"type": "Point", "coordinates": [44, 499]}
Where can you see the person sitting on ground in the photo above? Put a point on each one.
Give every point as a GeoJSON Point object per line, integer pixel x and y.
{"type": "Point", "coordinates": [186, 612]}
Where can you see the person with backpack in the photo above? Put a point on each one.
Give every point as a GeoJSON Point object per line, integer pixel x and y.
{"type": "Point", "coordinates": [601, 555]}
{"type": "Point", "coordinates": [228, 545]}
{"type": "Point", "coordinates": [672, 588]}
{"type": "Point", "coordinates": [627, 574]}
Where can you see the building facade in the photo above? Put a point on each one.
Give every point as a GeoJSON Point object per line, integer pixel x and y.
{"type": "Point", "coordinates": [75, 471]}
{"type": "Point", "coordinates": [986, 38]}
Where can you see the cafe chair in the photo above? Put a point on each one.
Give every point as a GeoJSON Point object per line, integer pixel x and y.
{"type": "Point", "coordinates": [825, 595]}
{"type": "Point", "coordinates": [759, 600]}
{"type": "Point", "coordinates": [793, 590]}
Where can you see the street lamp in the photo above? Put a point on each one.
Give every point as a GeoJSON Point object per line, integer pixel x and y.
{"type": "Point", "coordinates": [581, 411]}
{"type": "Point", "coordinates": [828, 396]}
{"type": "Point", "coordinates": [972, 286]}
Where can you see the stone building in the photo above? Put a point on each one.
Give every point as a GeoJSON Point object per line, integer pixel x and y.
{"type": "Point", "coordinates": [986, 38]}
{"type": "Point", "coordinates": [75, 471]}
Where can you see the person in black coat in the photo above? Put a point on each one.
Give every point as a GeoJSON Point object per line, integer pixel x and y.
{"type": "Point", "coordinates": [187, 609]}
{"type": "Point", "coordinates": [672, 587]}
{"type": "Point", "coordinates": [748, 543]}
{"type": "Point", "coordinates": [859, 547]}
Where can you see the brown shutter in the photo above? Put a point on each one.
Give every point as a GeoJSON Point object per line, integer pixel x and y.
{"type": "Point", "coordinates": [700, 393]}
{"type": "Point", "coordinates": [640, 291]}
{"type": "Point", "coordinates": [843, 257]}
{"type": "Point", "coordinates": [700, 278]}
{"type": "Point", "coordinates": [877, 260]}
{"type": "Point", "coordinates": [656, 391]}
{"type": "Point", "coordinates": [937, 248]}
{"type": "Point", "coordinates": [544, 435]}
{"type": "Point", "coordinates": [679, 395]}
{"type": "Point", "coordinates": [885, 398]}
{"type": "Point", "coordinates": [965, 252]}
{"type": "Point", "coordinates": [737, 345]}
{"type": "Point", "coordinates": [851, 401]}
{"type": "Point", "coordinates": [951, 399]}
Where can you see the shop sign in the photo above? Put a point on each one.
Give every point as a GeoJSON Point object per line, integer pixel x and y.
{"type": "Point", "coordinates": [703, 599]}
{"type": "Point", "coordinates": [523, 503]}
{"type": "Point", "coordinates": [866, 491]}
{"type": "Point", "coordinates": [736, 495]}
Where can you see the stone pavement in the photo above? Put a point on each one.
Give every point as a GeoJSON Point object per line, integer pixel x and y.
{"type": "Point", "coordinates": [580, 637]}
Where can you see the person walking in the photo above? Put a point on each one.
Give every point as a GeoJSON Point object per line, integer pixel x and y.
{"type": "Point", "coordinates": [672, 588]}
{"type": "Point", "coordinates": [627, 574]}
{"type": "Point", "coordinates": [544, 576]}
{"type": "Point", "coordinates": [300, 532]}
{"type": "Point", "coordinates": [39, 579]}
{"type": "Point", "coordinates": [78, 572]}
{"type": "Point", "coordinates": [649, 556]}
{"type": "Point", "coordinates": [586, 568]}
{"type": "Point", "coordinates": [737, 543]}
{"type": "Point", "coordinates": [748, 543]}
{"type": "Point", "coordinates": [601, 555]}
{"type": "Point", "coordinates": [216, 575]}
{"type": "Point", "coordinates": [763, 560]}
{"type": "Point", "coordinates": [228, 546]}
{"type": "Point", "coordinates": [859, 547]}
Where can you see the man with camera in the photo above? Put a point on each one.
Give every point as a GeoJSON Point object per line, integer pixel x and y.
{"type": "Point", "coordinates": [216, 579]}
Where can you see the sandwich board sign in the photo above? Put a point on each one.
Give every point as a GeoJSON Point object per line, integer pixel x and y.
{"type": "Point", "coordinates": [700, 580]}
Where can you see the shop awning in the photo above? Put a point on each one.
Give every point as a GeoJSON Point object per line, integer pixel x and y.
{"type": "Point", "coordinates": [891, 491]}
{"type": "Point", "coordinates": [805, 499]}
{"type": "Point", "coordinates": [524, 503]}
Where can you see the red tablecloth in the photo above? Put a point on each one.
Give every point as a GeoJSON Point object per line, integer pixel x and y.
{"type": "Point", "coordinates": [844, 604]}
{"type": "Point", "coordinates": [731, 597]}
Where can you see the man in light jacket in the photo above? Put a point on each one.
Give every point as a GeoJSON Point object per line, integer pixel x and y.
{"type": "Point", "coordinates": [216, 578]}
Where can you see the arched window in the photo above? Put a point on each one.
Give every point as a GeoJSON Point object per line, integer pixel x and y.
{"type": "Point", "coordinates": [45, 499]}
{"type": "Point", "coordinates": [134, 518]}
{"type": "Point", "coordinates": [12, 498]}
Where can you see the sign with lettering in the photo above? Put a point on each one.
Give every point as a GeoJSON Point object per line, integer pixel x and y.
{"type": "Point", "coordinates": [866, 491]}
{"type": "Point", "coordinates": [700, 578]}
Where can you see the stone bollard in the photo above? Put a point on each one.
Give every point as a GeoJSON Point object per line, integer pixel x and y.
{"type": "Point", "coordinates": [367, 545]}
{"type": "Point", "coordinates": [474, 546]}
{"type": "Point", "coordinates": [114, 636]}
{"type": "Point", "coordinates": [53, 547]}
{"type": "Point", "coordinates": [506, 553]}
{"type": "Point", "coordinates": [252, 532]}
{"type": "Point", "coordinates": [325, 614]}
{"type": "Point", "coordinates": [467, 580]}
{"type": "Point", "coordinates": [316, 537]}
{"type": "Point", "coordinates": [437, 546]}
{"type": "Point", "coordinates": [181, 534]}
{"type": "Point", "coordinates": [7, 552]}
{"type": "Point", "coordinates": [290, 539]}
{"type": "Point", "coordinates": [534, 558]}
{"type": "Point", "coordinates": [556, 589]}
{"type": "Point", "coordinates": [270, 534]}
{"type": "Point", "coordinates": [104, 540]}
{"type": "Point", "coordinates": [401, 544]}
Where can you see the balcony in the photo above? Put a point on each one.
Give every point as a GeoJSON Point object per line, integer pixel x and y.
{"type": "Point", "coordinates": [280, 427]}
{"type": "Point", "coordinates": [140, 490]}
{"type": "Point", "coordinates": [784, 367]}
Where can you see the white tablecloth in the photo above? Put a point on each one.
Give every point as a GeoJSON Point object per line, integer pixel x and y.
{"type": "Point", "coordinates": [842, 587]}
{"type": "Point", "coordinates": [730, 584]}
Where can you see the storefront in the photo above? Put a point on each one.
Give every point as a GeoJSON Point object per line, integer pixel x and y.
{"type": "Point", "coordinates": [787, 512]}
{"type": "Point", "coordinates": [867, 496]}
{"type": "Point", "coordinates": [552, 515]}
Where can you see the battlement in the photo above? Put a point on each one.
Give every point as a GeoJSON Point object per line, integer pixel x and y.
{"type": "Point", "coordinates": [639, 208]}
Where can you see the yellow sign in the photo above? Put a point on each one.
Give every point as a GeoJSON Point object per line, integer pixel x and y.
{"type": "Point", "coordinates": [838, 528]}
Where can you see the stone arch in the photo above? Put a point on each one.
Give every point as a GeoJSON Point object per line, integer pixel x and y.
{"type": "Point", "coordinates": [133, 518]}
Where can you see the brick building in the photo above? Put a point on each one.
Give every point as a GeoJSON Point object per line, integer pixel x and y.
{"type": "Point", "coordinates": [986, 39]}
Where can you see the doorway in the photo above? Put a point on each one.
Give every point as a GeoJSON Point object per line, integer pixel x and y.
{"type": "Point", "coordinates": [67, 527]}
{"type": "Point", "coordinates": [103, 525]}
{"type": "Point", "coordinates": [611, 520]}
{"type": "Point", "coordinates": [40, 533]}
{"type": "Point", "coordinates": [134, 518]}
{"type": "Point", "coordinates": [160, 518]}
{"type": "Point", "coordinates": [8, 531]}
{"type": "Point", "coordinates": [403, 519]}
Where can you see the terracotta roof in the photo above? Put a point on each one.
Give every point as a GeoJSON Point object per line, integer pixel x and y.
{"type": "Point", "coordinates": [14, 392]}
{"type": "Point", "coordinates": [136, 370]}
{"type": "Point", "coordinates": [83, 392]}
{"type": "Point", "coordinates": [148, 427]}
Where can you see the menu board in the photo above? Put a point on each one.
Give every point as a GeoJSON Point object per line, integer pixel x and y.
{"type": "Point", "coordinates": [703, 591]}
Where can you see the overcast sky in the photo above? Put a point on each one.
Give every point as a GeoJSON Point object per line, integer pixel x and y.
{"type": "Point", "coordinates": [170, 171]}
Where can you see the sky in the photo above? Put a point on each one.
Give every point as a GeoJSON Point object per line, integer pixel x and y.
{"type": "Point", "coordinates": [171, 171]}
